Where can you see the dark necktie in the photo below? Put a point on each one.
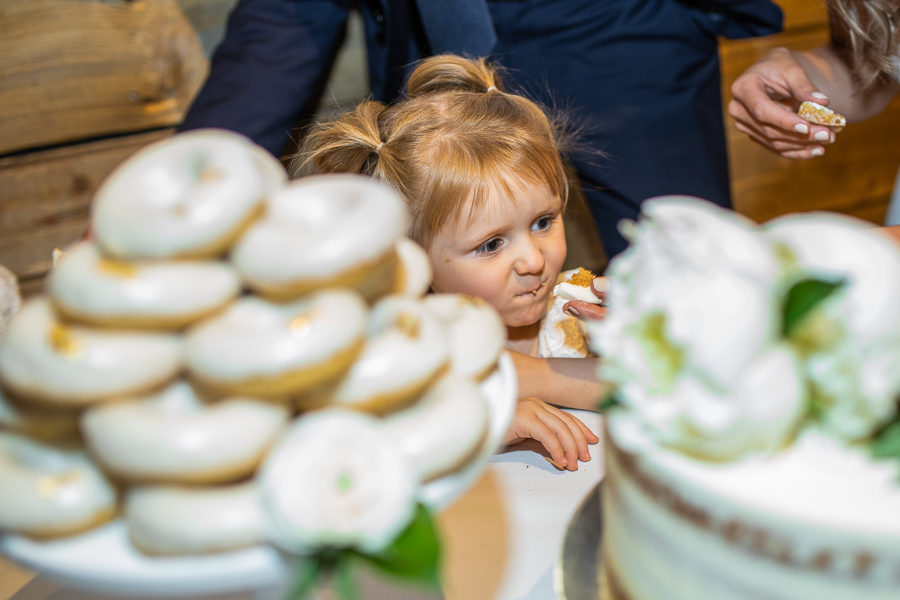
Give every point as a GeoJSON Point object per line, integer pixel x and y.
{"type": "Point", "coordinates": [458, 26]}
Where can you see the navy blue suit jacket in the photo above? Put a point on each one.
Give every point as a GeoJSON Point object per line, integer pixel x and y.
{"type": "Point", "coordinates": [638, 78]}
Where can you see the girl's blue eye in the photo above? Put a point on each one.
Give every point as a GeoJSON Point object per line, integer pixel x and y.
{"type": "Point", "coordinates": [489, 247]}
{"type": "Point", "coordinates": [543, 223]}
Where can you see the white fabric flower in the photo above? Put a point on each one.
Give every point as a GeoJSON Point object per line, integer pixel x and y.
{"type": "Point", "coordinates": [852, 341]}
{"type": "Point", "coordinates": [335, 480]}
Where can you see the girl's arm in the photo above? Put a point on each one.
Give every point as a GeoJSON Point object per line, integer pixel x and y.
{"type": "Point", "coordinates": [568, 382]}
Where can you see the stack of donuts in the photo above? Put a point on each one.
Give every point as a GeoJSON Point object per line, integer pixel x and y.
{"type": "Point", "coordinates": [217, 310]}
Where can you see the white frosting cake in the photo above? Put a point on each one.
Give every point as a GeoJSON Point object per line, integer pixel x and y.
{"type": "Point", "coordinates": [817, 520]}
{"type": "Point", "coordinates": [757, 370]}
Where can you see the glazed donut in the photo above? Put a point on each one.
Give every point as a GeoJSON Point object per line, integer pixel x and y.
{"type": "Point", "coordinates": [194, 520]}
{"type": "Point", "coordinates": [324, 230]}
{"type": "Point", "coordinates": [87, 287]}
{"type": "Point", "coordinates": [405, 351]}
{"type": "Point", "coordinates": [43, 359]}
{"type": "Point", "coordinates": [175, 437]}
{"type": "Point", "coordinates": [477, 334]}
{"type": "Point", "coordinates": [36, 423]}
{"type": "Point", "coordinates": [414, 270]}
{"type": "Point", "coordinates": [335, 479]}
{"type": "Point", "coordinates": [443, 430]}
{"type": "Point", "coordinates": [189, 195]}
{"type": "Point", "coordinates": [261, 349]}
{"type": "Point", "coordinates": [50, 491]}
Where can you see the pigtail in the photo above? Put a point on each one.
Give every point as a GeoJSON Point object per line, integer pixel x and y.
{"type": "Point", "coordinates": [447, 72]}
{"type": "Point", "coordinates": [350, 144]}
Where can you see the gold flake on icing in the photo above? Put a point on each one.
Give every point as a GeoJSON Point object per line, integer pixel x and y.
{"type": "Point", "coordinates": [117, 268]}
{"type": "Point", "coordinates": [408, 325]}
{"type": "Point", "coordinates": [62, 340]}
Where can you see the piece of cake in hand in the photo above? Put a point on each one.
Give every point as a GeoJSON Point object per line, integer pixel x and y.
{"type": "Point", "coordinates": [578, 287]}
{"type": "Point", "coordinates": [821, 115]}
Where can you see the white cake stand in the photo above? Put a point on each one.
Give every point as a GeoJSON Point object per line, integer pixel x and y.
{"type": "Point", "coordinates": [104, 559]}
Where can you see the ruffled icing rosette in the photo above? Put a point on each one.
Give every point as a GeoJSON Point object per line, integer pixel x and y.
{"type": "Point", "coordinates": [335, 480]}
{"type": "Point", "coordinates": [692, 334]}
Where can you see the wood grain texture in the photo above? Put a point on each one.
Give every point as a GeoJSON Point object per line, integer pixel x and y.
{"type": "Point", "coordinates": [72, 70]}
{"type": "Point", "coordinates": [45, 197]}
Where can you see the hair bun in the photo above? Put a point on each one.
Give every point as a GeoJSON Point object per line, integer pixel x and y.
{"type": "Point", "coordinates": [448, 72]}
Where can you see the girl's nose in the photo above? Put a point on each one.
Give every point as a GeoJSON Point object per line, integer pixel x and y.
{"type": "Point", "coordinates": [529, 258]}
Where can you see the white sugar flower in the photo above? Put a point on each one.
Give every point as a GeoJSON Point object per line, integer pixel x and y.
{"type": "Point", "coordinates": [851, 341]}
{"type": "Point", "coordinates": [693, 329]}
{"type": "Point", "coordinates": [335, 480]}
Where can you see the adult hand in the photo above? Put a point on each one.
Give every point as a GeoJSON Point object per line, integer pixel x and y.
{"type": "Point", "coordinates": [566, 438]}
{"type": "Point", "coordinates": [764, 104]}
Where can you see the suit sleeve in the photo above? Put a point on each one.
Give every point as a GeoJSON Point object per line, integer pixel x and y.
{"type": "Point", "coordinates": [270, 68]}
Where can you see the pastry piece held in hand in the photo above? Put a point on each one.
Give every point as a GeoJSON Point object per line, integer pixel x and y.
{"type": "Point", "coordinates": [820, 115]}
{"type": "Point", "coordinates": [578, 287]}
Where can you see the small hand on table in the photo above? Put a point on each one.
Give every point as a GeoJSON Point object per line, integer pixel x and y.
{"type": "Point", "coordinates": [565, 437]}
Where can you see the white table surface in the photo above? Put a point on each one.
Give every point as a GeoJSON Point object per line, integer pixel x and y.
{"type": "Point", "coordinates": [502, 539]}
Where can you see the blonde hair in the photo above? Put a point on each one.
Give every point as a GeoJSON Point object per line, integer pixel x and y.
{"type": "Point", "coordinates": [455, 139]}
{"type": "Point", "coordinates": [871, 37]}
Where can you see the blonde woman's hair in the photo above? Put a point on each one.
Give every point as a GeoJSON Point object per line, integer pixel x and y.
{"type": "Point", "coordinates": [869, 30]}
{"type": "Point", "coordinates": [454, 140]}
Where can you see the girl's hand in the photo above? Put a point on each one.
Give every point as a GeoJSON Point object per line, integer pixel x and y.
{"type": "Point", "coordinates": [764, 103]}
{"type": "Point", "coordinates": [565, 437]}
{"type": "Point", "coordinates": [587, 310]}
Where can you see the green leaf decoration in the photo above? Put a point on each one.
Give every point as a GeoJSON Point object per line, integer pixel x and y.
{"type": "Point", "coordinates": [886, 443]}
{"type": "Point", "coordinates": [344, 582]}
{"type": "Point", "coordinates": [610, 401]}
{"type": "Point", "coordinates": [804, 296]}
{"type": "Point", "coordinates": [305, 578]}
{"type": "Point", "coordinates": [415, 555]}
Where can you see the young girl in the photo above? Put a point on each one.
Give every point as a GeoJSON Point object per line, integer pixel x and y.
{"type": "Point", "coordinates": [481, 172]}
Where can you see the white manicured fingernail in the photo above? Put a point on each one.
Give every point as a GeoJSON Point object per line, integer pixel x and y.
{"type": "Point", "coordinates": [819, 95]}
{"type": "Point", "coordinates": [817, 151]}
{"type": "Point", "coordinates": [823, 136]}
{"type": "Point", "coordinates": [801, 128]}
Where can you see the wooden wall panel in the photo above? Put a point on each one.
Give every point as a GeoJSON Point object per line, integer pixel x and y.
{"type": "Point", "coordinates": [73, 70]}
{"type": "Point", "coordinates": [46, 197]}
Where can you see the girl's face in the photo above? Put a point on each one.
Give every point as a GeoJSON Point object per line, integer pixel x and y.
{"type": "Point", "coordinates": [510, 254]}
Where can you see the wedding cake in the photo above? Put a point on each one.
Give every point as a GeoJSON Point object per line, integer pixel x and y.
{"type": "Point", "coordinates": [753, 443]}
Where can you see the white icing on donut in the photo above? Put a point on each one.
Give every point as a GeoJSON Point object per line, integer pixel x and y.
{"type": "Point", "coordinates": [477, 333]}
{"type": "Point", "coordinates": [572, 291]}
{"type": "Point", "coordinates": [415, 268]}
{"type": "Point", "coordinates": [48, 490]}
{"type": "Point", "coordinates": [318, 227]}
{"type": "Point", "coordinates": [191, 520]}
{"type": "Point", "coordinates": [259, 340]}
{"type": "Point", "coordinates": [42, 358]}
{"type": "Point", "coordinates": [174, 436]}
{"type": "Point", "coordinates": [440, 431]}
{"type": "Point", "coordinates": [335, 479]}
{"type": "Point", "coordinates": [89, 287]}
{"type": "Point", "coordinates": [183, 196]}
{"type": "Point", "coordinates": [405, 348]}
